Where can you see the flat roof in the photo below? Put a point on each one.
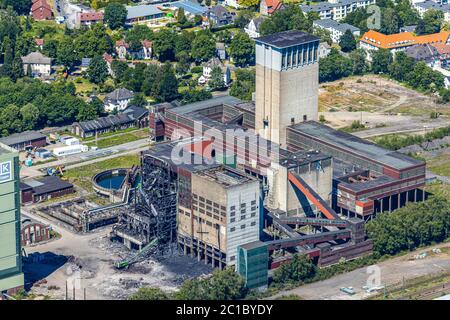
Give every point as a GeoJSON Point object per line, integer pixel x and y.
{"type": "Point", "coordinates": [190, 7]}
{"type": "Point", "coordinates": [287, 39]}
{"type": "Point", "coordinates": [225, 176]}
{"type": "Point", "coordinates": [205, 104]}
{"type": "Point", "coordinates": [355, 145]}
{"type": "Point", "coordinates": [142, 11]}
{"type": "Point", "coordinates": [46, 185]}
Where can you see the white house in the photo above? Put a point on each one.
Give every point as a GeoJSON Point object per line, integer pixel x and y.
{"type": "Point", "coordinates": [123, 49]}
{"type": "Point", "coordinates": [40, 65]}
{"type": "Point", "coordinates": [336, 9]}
{"type": "Point", "coordinates": [209, 66]}
{"type": "Point", "coordinates": [324, 50]}
{"type": "Point", "coordinates": [252, 29]}
{"type": "Point", "coordinates": [442, 6]}
{"type": "Point", "coordinates": [118, 99]}
{"type": "Point", "coordinates": [336, 28]}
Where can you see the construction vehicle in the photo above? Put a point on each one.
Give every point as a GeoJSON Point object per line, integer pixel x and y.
{"type": "Point", "coordinates": [138, 256]}
{"type": "Point", "coordinates": [58, 170]}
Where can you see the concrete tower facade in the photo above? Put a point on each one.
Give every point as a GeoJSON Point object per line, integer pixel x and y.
{"type": "Point", "coordinates": [11, 276]}
{"type": "Point", "coordinates": [287, 82]}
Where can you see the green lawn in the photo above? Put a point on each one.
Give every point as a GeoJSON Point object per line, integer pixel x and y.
{"type": "Point", "coordinates": [119, 139]}
{"type": "Point", "coordinates": [440, 165]}
{"type": "Point", "coordinates": [82, 176]}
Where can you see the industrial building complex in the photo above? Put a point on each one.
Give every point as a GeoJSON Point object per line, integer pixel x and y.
{"type": "Point", "coordinates": [230, 182]}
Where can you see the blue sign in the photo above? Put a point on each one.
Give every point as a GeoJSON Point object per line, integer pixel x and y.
{"type": "Point", "coordinates": [5, 171]}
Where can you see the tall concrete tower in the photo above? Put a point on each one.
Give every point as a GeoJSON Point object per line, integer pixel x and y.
{"type": "Point", "coordinates": [287, 82]}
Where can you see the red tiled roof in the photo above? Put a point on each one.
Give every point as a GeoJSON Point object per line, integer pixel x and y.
{"type": "Point", "coordinates": [39, 42]}
{"type": "Point", "coordinates": [442, 48]}
{"type": "Point", "coordinates": [42, 14]}
{"type": "Point", "coordinates": [402, 39]}
{"type": "Point", "coordinates": [91, 16]}
{"type": "Point", "coordinates": [273, 5]}
{"type": "Point", "coordinates": [108, 58]}
{"type": "Point", "coordinates": [121, 43]}
{"type": "Point", "coordinates": [40, 4]}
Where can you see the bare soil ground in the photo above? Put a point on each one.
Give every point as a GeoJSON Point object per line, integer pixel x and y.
{"type": "Point", "coordinates": [86, 262]}
{"type": "Point", "coordinates": [377, 101]}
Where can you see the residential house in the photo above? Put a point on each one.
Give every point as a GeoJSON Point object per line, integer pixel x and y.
{"type": "Point", "coordinates": [336, 28]}
{"type": "Point", "coordinates": [252, 29]}
{"type": "Point", "coordinates": [85, 63]}
{"type": "Point", "coordinates": [445, 73]}
{"type": "Point", "coordinates": [108, 59]}
{"type": "Point", "coordinates": [143, 13]}
{"type": "Point", "coordinates": [209, 66]}
{"type": "Point", "coordinates": [131, 117]}
{"type": "Point", "coordinates": [336, 9]}
{"type": "Point", "coordinates": [424, 52]}
{"type": "Point", "coordinates": [41, 10]}
{"type": "Point", "coordinates": [324, 49]}
{"type": "Point", "coordinates": [221, 51]}
{"type": "Point", "coordinates": [268, 7]}
{"type": "Point", "coordinates": [444, 53]}
{"type": "Point", "coordinates": [118, 99]}
{"type": "Point", "coordinates": [147, 49]}
{"type": "Point", "coordinates": [122, 49]}
{"type": "Point", "coordinates": [89, 18]}
{"type": "Point", "coordinates": [220, 16]}
{"type": "Point", "coordinates": [374, 40]}
{"type": "Point", "coordinates": [41, 66]}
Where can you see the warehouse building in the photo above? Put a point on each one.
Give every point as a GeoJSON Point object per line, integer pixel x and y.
{"type": "Point", "coordinates": [25, 140]}
{"type": "Point", "coordinates": [45, 188]}
{"type": "Point", "coordinates": [33, 231]}
{"type": "Point", "coordinates": [11, 276]}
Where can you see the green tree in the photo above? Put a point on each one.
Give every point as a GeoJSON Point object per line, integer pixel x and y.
{"type": "Point", "coordinates": [242, 50]}
{"type": "Point", "coordinates": [244, 85]}
{"type": "Point", "coordinates": [203, 47]}
{"type": "Point", "coordinates": [17, 68]}
{"type": "Point", "coordinates": [166, 84]}
{"type": "Point", "coordinates": [86, 112]}
{"type": "Point", "coordinates": [381, 59]}
{"type": "Point", "coordinates": [249, 3]}
{"type": "Point", "coordinates": [97, 71]}
{"type": "Point", "coordinates": [358, 58]}
{"type": "Point", "coordinates": [10, 120]}
{"type": "Point", "coordinates": [347, 42]}
{"type": "Point", "coordinates": [149, 86]}
{"type": "Point", "coordinates": [181, 17]}
{"type": "Point", "coordinates": [334, 66]}
{"type": "Point", "coordinates": [8, 57]}
{"type": "Point", "coordinates": [115, 15]}
{"type": "Point", "coordinates": [164, 45]}
{"type": "Point", "coordinates": [216, 82]}
{"type": "Point", "coordinates": [149, 294]}
{"type": "Point", "coordinates": [431, 22]}
{"type": "Point", "coordinates": [138, 100]}
{"type": "Point", "coordinates": [243, 18]}
{"type": "Point", "coordinates": [300, 268]}
{"type": "Point", "coordinates": [401, 66]}
{"type": "Point", "coordinates": [119, 68]}
{"type": "Point", "coordinates": [390, 21]}
{"type": "Point", "coordinates": [30, 116]}
{"type": "Point", "coordinates": [67, 54]}
{"type": "Point", "coordinates": [22, 7]}
{"type": "Point", "coordinates": [184, 63]}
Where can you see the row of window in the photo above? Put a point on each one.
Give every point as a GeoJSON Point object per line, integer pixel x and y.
{"type": "Point", "coordinates": [242, 227]}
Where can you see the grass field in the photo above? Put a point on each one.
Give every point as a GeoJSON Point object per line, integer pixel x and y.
{"type": "Point", "coordinates": [81, 176]}
{"type": "Point", "coordinates": [119, 139]}
{"type": "Point", "coordinates": [440, 165]}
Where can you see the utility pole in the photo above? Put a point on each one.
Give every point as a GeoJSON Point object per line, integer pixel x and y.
{"type": "Point", "coordinates": [66, 290]}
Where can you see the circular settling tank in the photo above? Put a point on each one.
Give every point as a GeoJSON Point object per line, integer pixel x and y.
{"type": "Point", "coordinates": [110, 179]}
